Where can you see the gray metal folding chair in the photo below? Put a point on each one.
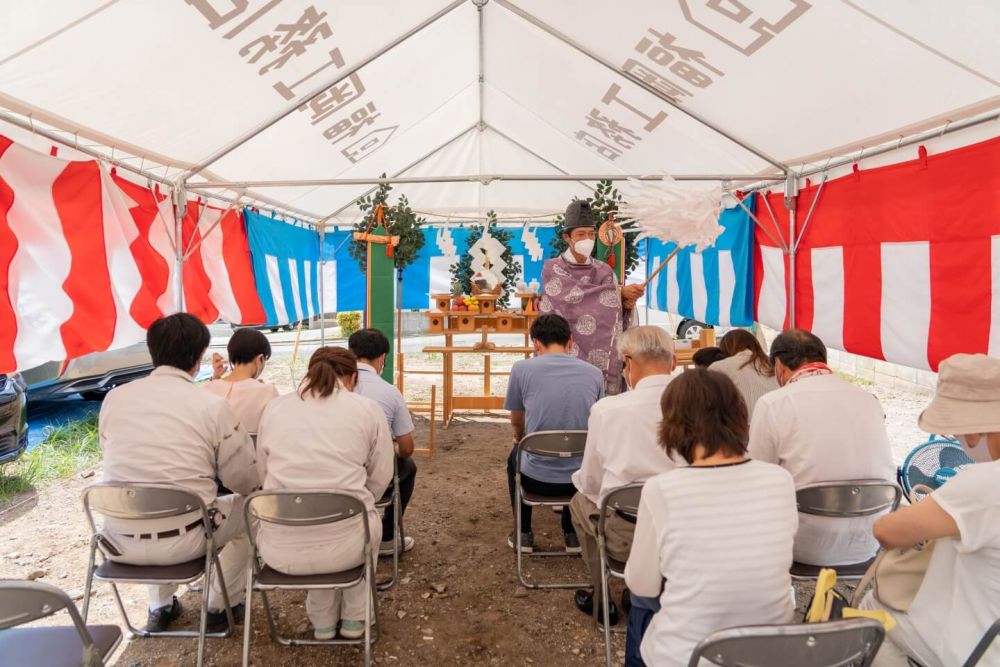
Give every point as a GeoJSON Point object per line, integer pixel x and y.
{"type": "Point", "coordinates": [304, 509]}
{"type": "Point", "coordinates": [851, 642]}
{"type": "Point", "coordinates": [393, 498]}
{"type": "Point", "coordinates": [844, 500]}
{"type": "Point", "coordinates": [124, 500]}
{"type": "Point", "coordinates": [983, 646]}
{"type": "Point", "coordinates": [553, 444]}
{"type": "Point", "coordinates": [54, 646]}
{"type": "Point", "coordinates": [624, 501]}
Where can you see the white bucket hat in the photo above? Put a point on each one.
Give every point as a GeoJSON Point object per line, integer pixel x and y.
{"type": "Point", "coordinates": [967, 399]}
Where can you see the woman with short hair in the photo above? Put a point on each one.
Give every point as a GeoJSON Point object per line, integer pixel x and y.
{"type": "Point", "coordinates": [719, 531]}
{"type": "Point", "coordinates": [243, 389]}
{"type": "Point", "coordinates": [747, 365]}
{"type": "Point", "coordinates": [325, 437]}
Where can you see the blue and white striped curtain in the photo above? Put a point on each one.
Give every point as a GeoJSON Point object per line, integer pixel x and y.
{"type": "Point", "coordinates": [714, 286]}
{"type": "Point", "coordinates": [285, 267]}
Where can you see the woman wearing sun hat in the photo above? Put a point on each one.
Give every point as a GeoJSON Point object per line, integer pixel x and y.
{"type": "Point", "coordinates": [959, 597]}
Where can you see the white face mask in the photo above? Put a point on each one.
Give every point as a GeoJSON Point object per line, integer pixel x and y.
{"type": "Point", "coordinates": [584, 247]}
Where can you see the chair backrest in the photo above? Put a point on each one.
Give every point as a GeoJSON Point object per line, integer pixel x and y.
{"type": "Point", "coordinates": [27, 601]}
{"type": "Point", "coordinates": [305, 507]}
{"type": "Point", "coordinates": [133, 500]}
{"type": "Point", "coordinates": [833, 644]}
{"type": "Point", "coordinates": [848, 498]}
{"type": "Point", "coordinates": [557, 444]}
{"type": "Point", "coordinates": [624, 499]}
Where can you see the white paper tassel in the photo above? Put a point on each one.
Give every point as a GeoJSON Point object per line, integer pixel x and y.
{"type": "Point", "coordinates": [672, 212]}
{"type": "Point", "coordinates": [531, 244]}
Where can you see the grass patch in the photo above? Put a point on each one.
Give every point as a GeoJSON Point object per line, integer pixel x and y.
{"type": "Point", "coordinates": [68, 449]}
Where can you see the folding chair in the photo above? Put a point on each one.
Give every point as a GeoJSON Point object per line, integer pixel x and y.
{"type": "Point", "coordinates": [623, 500]}
{"type": "Point", "coordinates": [983, 645]}
{"type": "Point", "coordinates": [58, 646]}
{"type": "Point", "coordinates": [844, 500]}
{"type": "Point", "coordinates": [392, 497]}
{"type": "Point", "coordinates": [554, 444]}
{"type": "Point", "coordinates": [123, 500]}
{"type": "Point", "coordinates": [306, 508]}
{"type": "Point", "coordinates": [853, 641]}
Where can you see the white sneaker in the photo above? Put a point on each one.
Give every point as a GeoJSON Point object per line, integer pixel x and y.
{"type": "Point", "coordinates": [324, 634]}
{"type": "Point", "coordinates": [352, 629]}
{"type": "Point", "coordinates": [386, 547]}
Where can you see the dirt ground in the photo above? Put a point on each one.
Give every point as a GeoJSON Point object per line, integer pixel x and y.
{"type": "Point", "coordinates": [457, 601]}
{"type": "Point", "coordinates": [460, 518]}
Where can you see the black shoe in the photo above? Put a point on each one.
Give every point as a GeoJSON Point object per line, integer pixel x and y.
{"type": "Point", "coordinates": [217, 621]}
{"type": "Point", "coordinates": [160, 619]}
{"type": "Point", "coordinates": [626, 601]}
{"type": "Point", "coordinates": [584, 600]}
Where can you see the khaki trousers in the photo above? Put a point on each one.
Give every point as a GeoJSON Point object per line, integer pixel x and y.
{"type": "Point", "coordinates": [617, 535]}
{"type": "Point", "coordinates": [230, 536]}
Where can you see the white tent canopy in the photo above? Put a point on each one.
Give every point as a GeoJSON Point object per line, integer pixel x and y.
{"type": "Point", "coordinates": [254, 95]}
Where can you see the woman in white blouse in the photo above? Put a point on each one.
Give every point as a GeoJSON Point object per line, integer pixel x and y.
{"type": "Point", "coordinates": [246, 394]}
{"type": "Point", "coordinates": [747, 365]}
{"type": "Point", "coordinates": [719, 531]}
{"type": "Point", "coordinates": [325, 437]}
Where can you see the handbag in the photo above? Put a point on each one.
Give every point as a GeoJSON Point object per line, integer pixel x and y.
{"type": "Point", "coordinates": [896, 574]}
{"type": "Point", "coordinates": [828, 604]}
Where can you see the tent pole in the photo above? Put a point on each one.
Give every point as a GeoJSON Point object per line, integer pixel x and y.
{"type": "Point", "coordinates": [530, 18]}
{"type": "Point", "coordinates": [180, 210]}
{"type": "Point", "coordinates": [532, 152]}
{"type": "Point", "coordinates": [791, 200]}
{"type": "Point", "coordinates": [322, 291]}
{"type": "Point", "coordinates": [308, 97]}
{"type": "Point", "coordinates": [486, 179]}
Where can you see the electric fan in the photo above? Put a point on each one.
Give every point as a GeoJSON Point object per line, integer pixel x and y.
{"type": "Point", "coordinates": [933, 463]}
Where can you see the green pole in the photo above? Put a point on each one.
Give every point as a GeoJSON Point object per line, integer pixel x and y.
{"type": "Point", "coordinates": [381, 301]}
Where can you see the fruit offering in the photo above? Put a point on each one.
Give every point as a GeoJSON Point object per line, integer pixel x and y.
{"type": "Point", "coordinates": [471, 304]}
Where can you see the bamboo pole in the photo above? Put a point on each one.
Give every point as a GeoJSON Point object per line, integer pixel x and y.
{"type": "Point", "coordinates": [662, 266]}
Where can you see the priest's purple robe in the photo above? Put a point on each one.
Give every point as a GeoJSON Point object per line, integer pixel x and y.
{"type": "Point", "coordinates": [587, 295]}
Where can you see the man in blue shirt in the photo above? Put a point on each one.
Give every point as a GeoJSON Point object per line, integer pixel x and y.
{"type": "Point", "coordinates": [370, 347]}
{"type": "Point", "coordinates": [552, 391]}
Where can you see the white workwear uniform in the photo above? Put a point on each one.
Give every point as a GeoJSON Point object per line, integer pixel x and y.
{"type": "Point", "coordinates": [338, 443]}
{"type": "Point", "coordinates": [247, 398]}
{"type": "Point", "coordinates": [165, 430]}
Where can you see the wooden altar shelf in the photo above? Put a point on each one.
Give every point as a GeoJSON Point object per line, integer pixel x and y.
{"type": "Point", "coordinates": [684, 356]}
{"type": "Point", "coordinates": [466, 322]}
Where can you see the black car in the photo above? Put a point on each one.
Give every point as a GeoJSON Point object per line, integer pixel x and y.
{"type": "Point", "coordinates": [13, 418]}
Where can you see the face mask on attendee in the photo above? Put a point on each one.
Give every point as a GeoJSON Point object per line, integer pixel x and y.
{"type": "Point", "coordinates": [626, 372]}
{"type": "Point", "coordinates": [584, 247]}
{"type": "Point", "coordinates": [259, 368]}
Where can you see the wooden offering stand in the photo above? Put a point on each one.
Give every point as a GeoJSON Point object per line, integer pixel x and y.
{"type": "Point", "coordinates": [487, 321]}
{"type": "Point", "coordinates": [684, 355]}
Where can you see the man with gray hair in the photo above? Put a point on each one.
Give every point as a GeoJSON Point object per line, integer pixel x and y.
{"type": "Point", "coordinates": [622, 448]}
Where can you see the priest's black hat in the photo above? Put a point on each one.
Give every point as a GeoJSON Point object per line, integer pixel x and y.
{"type": "Point", "coordinates": [579, 214]}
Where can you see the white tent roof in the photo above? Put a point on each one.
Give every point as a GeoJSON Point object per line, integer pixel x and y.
{"type": "Point", "coordinates": [482, 88]}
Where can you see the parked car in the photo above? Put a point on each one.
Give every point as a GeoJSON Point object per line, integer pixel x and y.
{"type": "Point", "coordinates": [13, 418]}
{"type": "Point", "coordinates": [691, 329]}
{"type": "Point", "coordinates": [92, 375]}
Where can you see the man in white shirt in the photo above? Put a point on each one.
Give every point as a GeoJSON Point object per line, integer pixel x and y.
{"type": "Point", "coordinates": [959, 596]}
{"type": "Point", "coordinates": [163, 429]}
{"type": "Point", "coordinates": [622, 448]}
{"type": "Point", "coordinates": [821, 428]}
{"type": "Point", "coordinates": [370, 347]}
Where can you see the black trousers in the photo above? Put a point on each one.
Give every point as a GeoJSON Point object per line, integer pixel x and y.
{"type": "Point", "coordinates": [532, 485]}
{"type": "Point", "coordinates": [407, 479]}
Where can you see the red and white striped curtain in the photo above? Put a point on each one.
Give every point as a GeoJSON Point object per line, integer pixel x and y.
{"type": "Point", "coordinates": [87, 260]}
{"type": "Point", "coordinates": [900, 263]}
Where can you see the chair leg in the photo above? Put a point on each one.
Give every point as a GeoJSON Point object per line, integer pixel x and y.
{"type": "Point", "coordinates": [606, 593]}
{"type": "Point", "coordinates": [370, 575]}
{"type": "Point", "coordinates": [225, 594]}
{"type": "Point", "coordinates": [134, 631]}
{"type": "Point", "coordinates": [91, 563]}
{"type": "Point", "coordinates": [203, 621]}
{"type": "Point", "coordinates": [275, 637]}
{"type": "Point", "coordinates": [247, 616]}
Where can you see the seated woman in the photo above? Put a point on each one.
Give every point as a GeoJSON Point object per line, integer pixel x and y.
{"type": "Point", "coordinates": [720, 531]}
{"type": "Point", "coordinates": [959, 596]}
{"type": "Point", "coordinates": [326, 437]}
{"type": "Point", "coordinates": [747, 365]}
{"type": "Point", "coordinates": [247, 395]}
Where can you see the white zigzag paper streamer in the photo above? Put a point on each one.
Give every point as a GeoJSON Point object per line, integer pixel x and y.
{"type": "Point", "coordinates": [531, 244]}
{"type": "Point", "coordinates": [446, 243]}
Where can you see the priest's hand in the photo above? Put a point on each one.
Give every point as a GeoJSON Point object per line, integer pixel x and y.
{"type": "Point", "coordinates": [631, 294]}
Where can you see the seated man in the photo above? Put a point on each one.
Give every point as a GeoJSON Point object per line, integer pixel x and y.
{"type": "Point", "coordinates": [821, 428]}
{"type": "Point", "coordinates": [370, 347]}
{"type": "Point", "coordinates": [959, 596]}
{"type": "Point", "coordinates": [163, 429]}
{"type": "Point", "coordinates": [553, 391]}
{"type": "Point", "coordinates": [622, 448]}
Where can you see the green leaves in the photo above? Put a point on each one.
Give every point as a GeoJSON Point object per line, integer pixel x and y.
{"type": "Point", "coordinates": [401, 221]}
{"type": "Point", "coordinates": [462, 272]}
